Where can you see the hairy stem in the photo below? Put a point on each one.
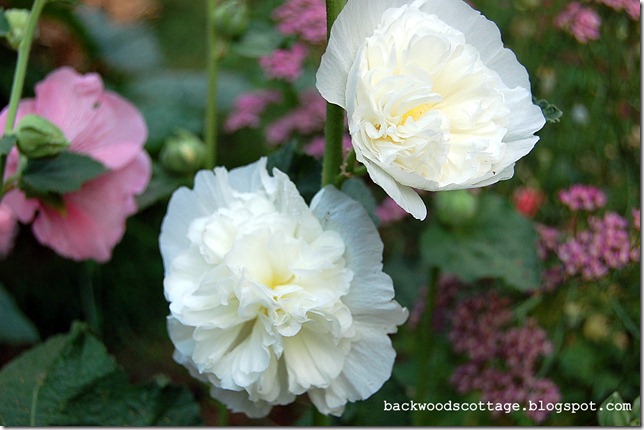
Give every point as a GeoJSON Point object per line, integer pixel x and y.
{"type": "Point", "coordinates": [334, 127]}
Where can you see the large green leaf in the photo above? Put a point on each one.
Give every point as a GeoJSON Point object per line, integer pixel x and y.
{"type": "Point", "coordinates": [497, 243]}
{"type": "Point", "coordinates": [14, 326]}
{"type": "Point", "coordinates": [61, 174]}
{"type": "Point", "coordinates": [71, 380]}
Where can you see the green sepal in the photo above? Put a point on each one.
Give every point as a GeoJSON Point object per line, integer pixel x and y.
{"type": "Point", "coordinates": [551, 112]}
{"type": "Point", "coordinates": [6, 143]}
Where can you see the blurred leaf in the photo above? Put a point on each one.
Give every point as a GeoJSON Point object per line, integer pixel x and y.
{"type": "Point", "coordinates": [497, 243]}
{"type": "Point", "coordinates": [359, 191]}
{"type": "Point", "coordinates": [130, 47]}
{"type": "Point", "coordinates": [260, 39]}
{"type": "Point", "coordinates": [282, 158]}
{"type": "Point", "coordinates": [15, 328]}
{"type": "Point", "coordinates": [613, 418]}
{"type": "Point", "coordinates": [71, 380]}
{"type": "Point", "coordinates": [61, 174]}
{"type": "Point", "coordinates": [6, 143]}
{"type": "Point", "coordinates": [161, 187]}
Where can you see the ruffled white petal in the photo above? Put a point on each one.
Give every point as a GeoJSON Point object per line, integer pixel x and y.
{"type": "Point", "coordinates": [264, 294]}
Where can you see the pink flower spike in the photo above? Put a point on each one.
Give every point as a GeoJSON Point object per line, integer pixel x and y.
{"type": "Point", "coordinates": [101, 125]}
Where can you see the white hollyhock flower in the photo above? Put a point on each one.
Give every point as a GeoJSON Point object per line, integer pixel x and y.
{"type": "Point", "coordinates": [434, 100]}
{"type": "Point", "coordinates": [270, 298]}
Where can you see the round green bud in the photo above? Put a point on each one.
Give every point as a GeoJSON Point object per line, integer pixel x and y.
{"type": "Point", "coordinates": [454, 208]}
{"type": "Point", "coordinates": [17, 20]}
{"type": "Point", "coordinates": [231, 18]}
{"type": "Point", "coordinates": [183, 154]}
{"type": "Point", "coordinates": [37, 137]}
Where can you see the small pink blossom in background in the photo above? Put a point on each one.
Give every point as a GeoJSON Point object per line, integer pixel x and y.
{"type": "Point", "coordinates": [248, 108]}
{"type": "Point", "coordinates": [632, 7]}
{"type": "Point", "coordinates": [528, 201]}
{"type": "Point", "coordinates": [315, 148]}
{"type": "Point", "coordinates": [307, 118]}
{"type": "Point", "coordinates": [8, 230]}
{"type": "Point", "coordinates": [583, 197]}
{"type": "Point", "coordinates": [285, 63]}
{"type": "Point", "coordinates": [304, 18]}
{"type": "Point", "coordinates": [389, 211]}
{"type": "Point", "coordinates": [580, 21]}
{"type": "Point", "coordinates": [101, 125]}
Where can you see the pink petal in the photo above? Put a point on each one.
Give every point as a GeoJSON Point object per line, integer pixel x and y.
{"type": "Point", "coordinates": [98, 123]}
{"type": "Point", "coordinates": [94, 220]}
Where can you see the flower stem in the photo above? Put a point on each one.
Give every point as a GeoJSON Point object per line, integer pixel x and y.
{"type": "Point", "coordinates": [426, 346]}
{"type": "Point", "coordinates": [210, 126]}
{"type": "Point", "coordinates": [334, 128]}
{"type": "Point", "coordinates": [19, 78]}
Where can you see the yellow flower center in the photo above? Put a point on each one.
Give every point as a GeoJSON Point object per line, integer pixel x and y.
{"type": "Point", "coordinates": [416, 112]}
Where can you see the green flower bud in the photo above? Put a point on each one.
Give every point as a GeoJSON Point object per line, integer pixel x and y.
{"type": "Point", "coordinates": [37, 137]}
{"type": "Point", "coordinates": [17, 20]}
{"type": "Point", "coordinates": [454, 208]}
{"type": "Point", "coordinates": [231, 18]}
{"type": "Point", "coordinates": [183, 154]}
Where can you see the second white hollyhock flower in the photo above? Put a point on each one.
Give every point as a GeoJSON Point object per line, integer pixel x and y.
{"type": "Point", "coordinates": [270, 298]}
{"type": "Point", "coordinates": [434, 100]}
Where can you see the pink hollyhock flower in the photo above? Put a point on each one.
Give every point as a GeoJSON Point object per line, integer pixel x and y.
{"type": "Point", "coordinates": [101, 125]}
{"type": "Point", "coordinates": [284, 63]}
{"type": "Point", "coordinates": [8, 230]}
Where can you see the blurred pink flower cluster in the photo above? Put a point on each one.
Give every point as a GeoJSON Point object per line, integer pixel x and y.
{"type": "Point", "coordinates": [584, 22]}
{"type": "Point", "coordinates": [305, 21]}
{"type": "Point", "coordinates": [249, 108]}
{"type": "Point", "coordinates": [303, 18]}
{"type": "Point", "coordinates": [594, 245]}
{"type": "Point", "coordinates": [99, 124]}
{"type": "Point", "coordinates": [285, 63]}
{"type": "Point", "coordinates": [580, 21]}
{"type": "Point", "coordinates": [583, 197]}
{"type": "Point", "coordinates": [632, 7]}
{"type": "Point", "coordinates": [502, 357]}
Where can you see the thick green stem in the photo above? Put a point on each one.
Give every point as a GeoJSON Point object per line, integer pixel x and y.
{"type": "Point", "coordinates": [19, 78]}
{"type": "Point", "coordinates": [210, 126]}
{"type": "Point", "coordinates": [334, 128]}
{"type": "Point", "coordinates": [426, 346]}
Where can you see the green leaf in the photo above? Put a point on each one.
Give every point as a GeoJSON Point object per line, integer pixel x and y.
{"type": "Point", "coordinates": [15, 328]}
{"type": "Point", "coordinates": [498, 243]}
{"type": "Point", "coordinates": [613, 418]}
{"type": "Point", "coordinates": [71, 380]}
{"type": "Point", "coordinates": [6, 143]}
{"type": "Point", "coordinates": [61, 174]}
